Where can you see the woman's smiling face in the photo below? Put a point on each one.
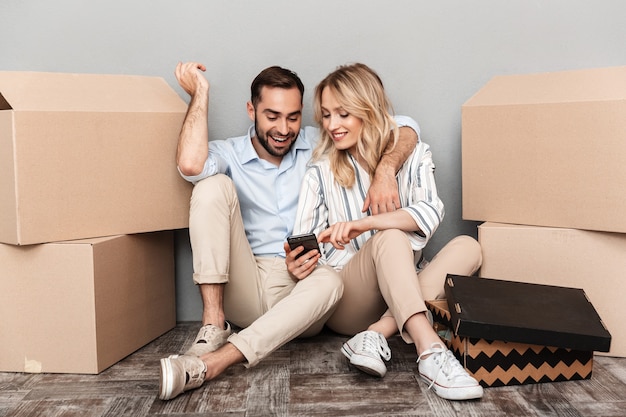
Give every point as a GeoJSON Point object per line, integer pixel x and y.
{"type": "Point", "coordinates": [343, 128]}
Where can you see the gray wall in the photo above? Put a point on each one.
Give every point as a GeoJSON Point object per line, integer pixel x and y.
{"type": "Point", "coordinates": [432, 55]}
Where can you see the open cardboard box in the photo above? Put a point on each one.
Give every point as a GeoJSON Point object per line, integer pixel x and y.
{"type": "Point", "coordinates": [85, 155]}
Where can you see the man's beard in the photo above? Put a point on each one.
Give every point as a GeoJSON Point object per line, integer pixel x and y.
{"type": "Point", "coordinates": [264, 141]}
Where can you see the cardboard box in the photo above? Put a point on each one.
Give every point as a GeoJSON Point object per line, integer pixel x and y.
{"type": "Point", "coordinates": [496, 363]}
{"type": "Point", "coordinates": [85, 155]}
{"type": "Point", "coordinates": [81, 306]}
{"type": "Point", "coordinates": [547, 150]}
{"type": "Point", "coordinates": [593, 261]}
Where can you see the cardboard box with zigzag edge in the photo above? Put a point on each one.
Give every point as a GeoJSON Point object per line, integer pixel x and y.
{"type": "Point", "coordinates": [498, 363]}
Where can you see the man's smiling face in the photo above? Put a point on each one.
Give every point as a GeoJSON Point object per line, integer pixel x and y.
{"type": "Point", "coordinates": [277, 120]}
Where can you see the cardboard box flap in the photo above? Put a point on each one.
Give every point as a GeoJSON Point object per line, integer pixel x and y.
{"type": "Point", "coordinates": [41, 91]}
{"type": "Point", "coordinates": [494, 309]}
{"type": "Point", "coordinates": [8, 206]}
{"type": "Point", "coordinates": [4, 104]}
{"type": "Point", "coordinates": [601, 84]}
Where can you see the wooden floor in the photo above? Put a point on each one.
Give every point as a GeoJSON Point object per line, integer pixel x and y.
{"type": "Point", "coordinates": [304, 378]}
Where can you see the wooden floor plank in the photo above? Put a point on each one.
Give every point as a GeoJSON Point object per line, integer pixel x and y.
{"type": "Point", "coordinates": [307, 377]}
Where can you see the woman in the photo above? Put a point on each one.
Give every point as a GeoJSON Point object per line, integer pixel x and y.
{"type": "Point", "coordinates": [384, 291]}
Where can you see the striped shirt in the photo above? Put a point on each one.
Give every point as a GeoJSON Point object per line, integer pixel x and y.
{"type": "Point", "coordinates": [324, 202]}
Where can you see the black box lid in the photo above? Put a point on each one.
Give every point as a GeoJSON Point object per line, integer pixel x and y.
{"type": "Point", "coordinates": [537, 314]}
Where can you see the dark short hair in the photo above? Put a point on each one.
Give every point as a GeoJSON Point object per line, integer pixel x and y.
{"type": "Point", "coordinates": [275, 76]}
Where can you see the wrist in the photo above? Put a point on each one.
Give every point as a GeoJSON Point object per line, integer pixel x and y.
{"type": "Point", "coordinates": [368, 223]}
{"type": "Point", "coordinates": [385, 169]}
{"type": "Point", "coordinates": [202, 90]}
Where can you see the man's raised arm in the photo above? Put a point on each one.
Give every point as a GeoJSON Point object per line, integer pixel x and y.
{"type": "Point", "coordinates": [193, 141]}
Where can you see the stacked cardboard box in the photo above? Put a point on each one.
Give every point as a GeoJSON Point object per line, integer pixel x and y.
{"type": "Point", "coordinates": [89, 194]}
{"type": "Point", "coordinates": [543, 166]}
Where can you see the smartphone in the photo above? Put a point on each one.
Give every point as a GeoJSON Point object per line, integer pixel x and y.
{"type": "Point", "coordinates": [309, 241]}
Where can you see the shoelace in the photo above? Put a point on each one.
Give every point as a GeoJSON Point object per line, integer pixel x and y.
{"type": "Point", "coordinates": [195, 375]}
{"type": "Point", "coordinates": [446, 361]}
{"type": "Point", "coordinates": [208, 331]}
{"type": "Point", "coordinates": [376, 342]}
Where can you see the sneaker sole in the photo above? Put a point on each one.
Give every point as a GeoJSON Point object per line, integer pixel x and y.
{"type": "Point", "coordinates": [458, 394]}
{"type": "Point", "coordinates": [166, 380]}
{"type": "Point", "coordinates": [346, 352]}
{"type": "Point", "coordinates": [362, 363]}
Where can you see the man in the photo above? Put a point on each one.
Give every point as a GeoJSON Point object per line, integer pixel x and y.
{"type": "Point", "coordinates": [239, 222]}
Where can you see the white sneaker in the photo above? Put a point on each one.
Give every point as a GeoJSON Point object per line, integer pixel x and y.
{"type": "Point", "coordinates": [365, 351]}
{"type": "Point", "coordinates": [179, 374]}
{"type": "Point", "coordinates": [446, 376]}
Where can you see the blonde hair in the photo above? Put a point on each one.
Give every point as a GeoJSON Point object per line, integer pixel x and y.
{"type": "Point", "coordinates": [360, 92]}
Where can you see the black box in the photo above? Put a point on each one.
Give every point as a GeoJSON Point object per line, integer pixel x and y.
{"type": "Point", "coordinates": [537, 314]}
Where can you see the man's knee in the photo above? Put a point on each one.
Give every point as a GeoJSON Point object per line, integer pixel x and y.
{"type": "Point", "coordinates": [328, 282]}
{"type": "Point", "coordinates": [216, 188]}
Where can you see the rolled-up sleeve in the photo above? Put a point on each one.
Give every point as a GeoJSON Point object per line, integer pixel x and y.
{"type": "Point", "coordinates": [406, 121]}
{"type": "Point", "coordinates": [422, 201]}
{"type": "Point", "coordinates": [214, 164]}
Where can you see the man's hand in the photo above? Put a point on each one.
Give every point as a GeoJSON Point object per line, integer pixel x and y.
{"type": "Point", "coordinates": [190, 79]}
{"type": "Point", "coordinates": [303, 266]}
{"type": "Point", "coordinates": [382, 196]}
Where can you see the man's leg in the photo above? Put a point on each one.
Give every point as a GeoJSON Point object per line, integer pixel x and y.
{"type": "Point", "coordinates": [221, 251]}
{"type": "Point", "coordinates": [304, 309]}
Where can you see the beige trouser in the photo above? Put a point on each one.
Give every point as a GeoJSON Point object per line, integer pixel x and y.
{"type": "Point", "coordinates": [260, 295]}
{"type": "Point", "coordinates": [381, 280]}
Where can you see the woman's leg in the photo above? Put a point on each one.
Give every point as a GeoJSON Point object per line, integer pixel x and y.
{"type": "Point", "coordinates": [364, 300]}
{"type": "Point", "coordinates": [461, 256]}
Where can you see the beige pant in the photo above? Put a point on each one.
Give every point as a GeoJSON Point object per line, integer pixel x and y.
{"type": "Point", "coordinates": [381, 280]}
{"type": "Point", "coordinates": [260, 295]}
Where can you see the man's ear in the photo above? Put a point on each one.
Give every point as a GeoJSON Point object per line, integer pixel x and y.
{"type": "Point", "coordinates": [250, 109]}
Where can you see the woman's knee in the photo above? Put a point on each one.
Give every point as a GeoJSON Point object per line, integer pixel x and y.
{"type": "Point", "coordinates": [391, 238]}
{"type": "Point", "coordinates": [471, 250]}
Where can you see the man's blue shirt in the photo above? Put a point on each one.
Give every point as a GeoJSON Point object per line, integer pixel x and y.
{"type": "Point", "coordinates": [268, 194]}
